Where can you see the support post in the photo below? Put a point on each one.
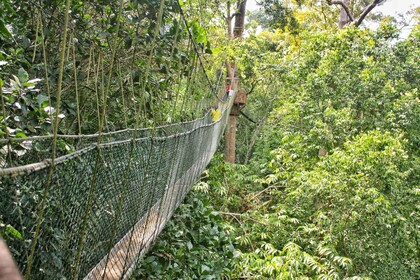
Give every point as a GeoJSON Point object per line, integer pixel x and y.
{"type": "Point", "coordinates": [238, 29]}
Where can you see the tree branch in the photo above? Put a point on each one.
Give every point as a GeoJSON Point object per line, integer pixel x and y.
{"type": "Point", "coordinates": [253, 86]}
{"type": "Point", "coordinates": [235, 15]}
{"type": "Point", "coordinates": [246, 117]}
{"type": "Point", "coordinates": [344, 6]}
{"type": "Point", "coordinates": [366, 11]}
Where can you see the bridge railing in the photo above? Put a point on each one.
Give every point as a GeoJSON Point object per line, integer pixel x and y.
{"type": "Point", "coordinates": [107, 202]}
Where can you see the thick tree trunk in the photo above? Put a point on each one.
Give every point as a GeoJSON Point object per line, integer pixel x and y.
{"type": "Point", "coordinates": [240, 20]}
{"type": "Point", "coordinates": [238, 30]}
{"type": "Point", "coordinates": [344, 18]}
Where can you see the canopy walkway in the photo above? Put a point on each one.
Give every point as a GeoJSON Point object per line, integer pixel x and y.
{"type": "Point", "coordinates": [107, 201]}
{"type": "Point", "coordinates": [88, 206]}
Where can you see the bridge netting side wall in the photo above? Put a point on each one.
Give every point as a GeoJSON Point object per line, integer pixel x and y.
{"type": "Point", "coordinates": [108, 201]}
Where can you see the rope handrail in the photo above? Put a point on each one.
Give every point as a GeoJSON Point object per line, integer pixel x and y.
{"type": "Point", "coordinates": [93, 135]}
{"type": "Point", "coordinates": [28, 168]}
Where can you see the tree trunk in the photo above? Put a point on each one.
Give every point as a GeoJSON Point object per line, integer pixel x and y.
{"type": "Point", "coordinates": [344, 18]}
{"type": "Point", "coordinates": [238, 30]}
{"type": "Point", "coordinates": [231, 139]}
{"type": "Point", "coordinates": [240, 20]}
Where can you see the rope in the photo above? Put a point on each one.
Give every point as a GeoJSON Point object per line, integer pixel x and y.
{"type": "Point", "coordinates": [76, 91]}
{"type": "Point", "coordinates": [44, 56]}
{"type": "Point", "coordinates": [247, 117]}
{"type": "Point", "coordinates": [106, 134]}
{"type": "Point", "coordinates": [111, 67]}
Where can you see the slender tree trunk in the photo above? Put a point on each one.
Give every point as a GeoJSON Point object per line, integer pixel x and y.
{"type": "Point", "coordinates": [238, 30]}
{"type": "Point", "coordinates": [229, 21]}
{"type": "Point", "coordinates": [231, 139]}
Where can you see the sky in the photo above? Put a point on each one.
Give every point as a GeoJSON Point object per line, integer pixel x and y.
{"type": "Point", "coordinates": [390, 7]}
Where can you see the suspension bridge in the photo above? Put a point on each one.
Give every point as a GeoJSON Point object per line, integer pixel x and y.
{"type": "Point", "coordinates": [89, 206]}
{"type": "Point", "coordinates": [107, 202]}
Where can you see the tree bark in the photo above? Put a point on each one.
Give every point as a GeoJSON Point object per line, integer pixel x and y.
{"type": "Point", "coordinates": [230, 150]}
{"type": "Point", "coordinates": [344, 15]}
{"type": "Point", "coordinates": [240, 20]}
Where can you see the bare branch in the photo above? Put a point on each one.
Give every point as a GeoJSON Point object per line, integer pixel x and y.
{"type": "Point", "coordinates": [344, 6]}
{"type": "Point", "coordinates": [366, 11]}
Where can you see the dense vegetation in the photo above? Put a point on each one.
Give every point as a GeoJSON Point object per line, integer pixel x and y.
{"type": "Point", "coordinates": [138, 56]}
{"type": "Point", "coordinates": [330, 184]}
{"type": "Point", "coordinates": [72, 68]}
{"type": "Point", "coordinates": [326, 184]}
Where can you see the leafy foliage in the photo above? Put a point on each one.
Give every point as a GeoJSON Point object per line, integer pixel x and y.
{"type": "Point", "coordinates": [151, 81]}
{"type": "Point", "coordinates": [339, 194]}
{"type": "Point", "coordinates": [196, 244]}
{"type": "Point", "coordinates": [276, 14]}
{"type": "Point", "coordinates": [331, 191]}
{"type": "Point", "coordinates": [331, 185]}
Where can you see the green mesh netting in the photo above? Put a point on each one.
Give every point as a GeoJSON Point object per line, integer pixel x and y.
{"type": "Point", "coordinates": [108, 201]}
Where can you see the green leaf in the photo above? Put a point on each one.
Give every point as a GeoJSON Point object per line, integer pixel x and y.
{"type": "Point", "coordinates": [11, 231]}
{"type": "Point", "coordinates": [205, 268]}
{"type": "Point", "coordinates": [4, 31]}
{"type": "Point", "coordinates": [41, 99]}
{"type": "Point", "coordinates": [23, 75]}
{"type": "Point", "coordinates": [20, 134]}
{"type": "Point", "coordinates": [9, 8]}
